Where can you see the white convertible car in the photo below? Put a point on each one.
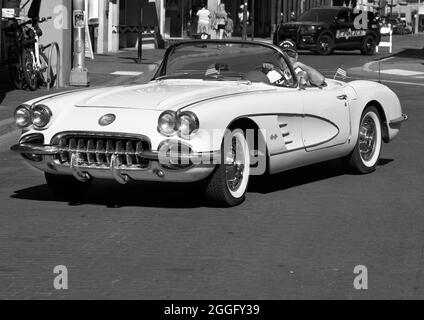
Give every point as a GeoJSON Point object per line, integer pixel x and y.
{"type": "Point", "coordinates": [209, 115]}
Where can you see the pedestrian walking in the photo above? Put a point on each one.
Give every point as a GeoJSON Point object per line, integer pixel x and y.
{"type": "Point", "coordinates": [220, 21]}
{"type": "Point", "coordinates": [203, 24]}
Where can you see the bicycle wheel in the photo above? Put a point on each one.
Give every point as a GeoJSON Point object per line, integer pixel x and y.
{"type": "Point", "coordinates": [29, 71]}
{"type": "Point", "coordinates": [45, 71]}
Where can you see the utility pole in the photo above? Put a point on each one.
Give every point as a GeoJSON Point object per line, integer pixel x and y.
{"type": "Point", "coordinates": [1, 43]}
{"type": "Point", "coordinates": [79, 73]}
{"type": "Point", "coordinates": [253, 20]}
{"type": "Point", "coordinates": [417, 18]}
{"type": "Point", "coordinates": [244, 35]}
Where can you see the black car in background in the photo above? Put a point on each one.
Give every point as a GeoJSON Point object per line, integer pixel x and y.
{"type": "Point", "coordinates": [327, 28]}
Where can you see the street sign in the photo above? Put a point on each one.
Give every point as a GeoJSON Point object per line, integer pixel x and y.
{"type": "Point", "coordinates": [79, 19]}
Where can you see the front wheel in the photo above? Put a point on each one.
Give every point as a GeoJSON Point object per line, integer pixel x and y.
{"type": "Point", "coordinates": [29, 71]}
{"type": "Point", "coordinates": [365, 156]}
{"type": "Point", "coordinates": [228, 184]}
{"type": "Point", "coordinates": [325, 45]}
{"type": "Point", "coordinates": [368, 45]}
{"type": "Point", "coordinates": [67, 187]}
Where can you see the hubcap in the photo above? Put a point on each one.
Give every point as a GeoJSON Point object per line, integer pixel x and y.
{"type": "Point", "coordinates": [367, 138]}
{"type": "Point", "coordinates": [235, 164]}
{"type": "Point", "coordinates": [325, 44]}
{"type": "Point", "coordinates": [370, 45]}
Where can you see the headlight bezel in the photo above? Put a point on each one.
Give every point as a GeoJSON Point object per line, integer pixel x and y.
{"type": "Point", "coordinates": [178, 118]}
{"type": "Point", "coordinates": [47, 112]}
{"type": "Point", "coordinates": [174, 128]}
{"type": "Point", "coordinates": [27, 109]}
{"type": "Point", "coordinates": [31, 111]}
{"type": "Point", "coordinates": [194, 123]}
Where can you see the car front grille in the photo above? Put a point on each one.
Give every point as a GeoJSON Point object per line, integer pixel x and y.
{"type": "Point", "coordinates": [97, 150]}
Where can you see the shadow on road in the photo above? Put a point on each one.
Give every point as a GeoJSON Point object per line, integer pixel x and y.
{"type": "Point", "coordinates": [173, 195]}
{"type": "Point", "coordinates": [112, 195]}
{"type": "Point", "coordinates": [5, 84]}
{"type": "Point", "coordinates": [301, 176]}
{"type": "Point", "coordinates": [411, 54]}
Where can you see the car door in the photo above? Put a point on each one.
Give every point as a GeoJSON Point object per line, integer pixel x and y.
{"type": "Point", "coordinates": [326, 121]}
{"type": "Point", "coordinates": [346, 36]}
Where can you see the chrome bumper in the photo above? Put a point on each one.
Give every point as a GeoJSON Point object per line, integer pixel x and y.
{"type": "Point", "coordinates": [46, 150]}
{"type": "Point", "coordinates": [203, 165]}
{"type": "Point", "coordinates": [395, 123]}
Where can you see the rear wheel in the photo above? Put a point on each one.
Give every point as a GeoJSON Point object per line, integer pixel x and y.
{"type": "Point", "coordinates": [46, 73]}
{"type": "Point", "coordinates": [365, 156]}
{"type": "Point", "coordinates": [228, 184]}
{"type": "Point", "coordinates": [67, 187]}
{"type": "Point", "coordinates": [325, 45]}
{"type": "Point", "coordinates": [368, 45]}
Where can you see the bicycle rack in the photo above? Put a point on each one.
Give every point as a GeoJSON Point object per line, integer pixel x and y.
{"type": "Point", "coordinates": [49, 80]}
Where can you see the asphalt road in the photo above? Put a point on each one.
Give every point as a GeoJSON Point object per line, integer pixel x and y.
{"type": "Point", "coordinates": [299, 235]}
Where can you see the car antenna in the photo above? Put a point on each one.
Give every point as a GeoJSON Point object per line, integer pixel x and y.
{"type": "Point", "coordinates": [379, 70]}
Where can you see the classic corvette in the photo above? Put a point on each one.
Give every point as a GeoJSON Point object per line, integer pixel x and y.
{"type": "Point", "coordinates": [210, 115]}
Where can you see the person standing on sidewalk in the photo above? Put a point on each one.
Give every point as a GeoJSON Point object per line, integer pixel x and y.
{"type": "Point", "coordinates": [204, 22]}
{"type": "Point", "coordinates": [229, 27]}
{"type": "Point", "coordinates": [241, 18]}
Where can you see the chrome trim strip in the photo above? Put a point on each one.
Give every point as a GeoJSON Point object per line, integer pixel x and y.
{"type": "Point", "coordinates": [149, 155]}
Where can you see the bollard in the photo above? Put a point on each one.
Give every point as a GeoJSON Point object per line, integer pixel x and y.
{"type": "Point", "coordinates": [79, 73]}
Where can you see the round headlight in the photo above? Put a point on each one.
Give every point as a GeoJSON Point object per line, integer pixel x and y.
{"type": "Point", "coordinates": [168, 123]}
{"type": "Point", "coordinates": [40, 116]}
{"type": "Point", "coordinates": [23, 116]}
{"type": "Point", "coordinates": [188, 123]}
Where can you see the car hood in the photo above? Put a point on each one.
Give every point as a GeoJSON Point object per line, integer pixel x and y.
{"type": "Point", "coordinates": [158, 95]}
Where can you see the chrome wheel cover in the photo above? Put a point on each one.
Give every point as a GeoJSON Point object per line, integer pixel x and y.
{"type": "Point", "coordinates": [235, 165]}
{"type": "Point", "coordinates": [368, 138]}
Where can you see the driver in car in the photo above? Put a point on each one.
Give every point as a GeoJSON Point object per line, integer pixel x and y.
{"type": "Point", "coordinates": [306, 75]}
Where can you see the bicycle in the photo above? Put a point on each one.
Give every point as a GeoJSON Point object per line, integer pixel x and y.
{"type": "Point", "coordinates": [30, 70]}
{"type": "Point", "coordinates": [34, 61]}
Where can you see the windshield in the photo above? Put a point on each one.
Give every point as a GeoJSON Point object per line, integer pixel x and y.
{"type": "Point", "coordinates": [319, 15]}
{"type": "Point", "coordinates": [220, 61]}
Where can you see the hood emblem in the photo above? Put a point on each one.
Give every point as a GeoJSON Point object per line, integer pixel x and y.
{"type": "Point", "coordinates": [107, 119]}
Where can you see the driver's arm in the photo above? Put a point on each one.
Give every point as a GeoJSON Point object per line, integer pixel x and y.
{"type": "Point", "coordinates": [315, 77]}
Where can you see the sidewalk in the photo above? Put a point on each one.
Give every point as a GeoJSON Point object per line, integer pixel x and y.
{"type": "Point", "coordinates": [104, 70]}
{"type": "Point", "coordinates": [406, 63]}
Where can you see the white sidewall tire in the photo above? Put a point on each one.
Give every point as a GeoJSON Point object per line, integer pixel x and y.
{"type": "Point", "coordinates": [373, 161]}
{"type": "Point", "coordinates": [240, 192]}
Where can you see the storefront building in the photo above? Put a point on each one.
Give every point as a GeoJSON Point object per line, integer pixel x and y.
{"type": "Point", "coordinates": [180, 15]}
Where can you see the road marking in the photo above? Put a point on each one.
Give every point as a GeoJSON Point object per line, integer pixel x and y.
{"type": "Point", "coordinates": [402, 72]}
{"type": "Point", "coordinates": [126, 73]}
{"type": "Point", "coordinates": [367, 66]}
{"type": "Point", "coordinates": [401, 82]}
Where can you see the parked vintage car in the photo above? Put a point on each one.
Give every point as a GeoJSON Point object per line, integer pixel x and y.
{"type": "Point", "coordinates": [209, 115]}
{"type": "Point", "coordinates": [325, 29]}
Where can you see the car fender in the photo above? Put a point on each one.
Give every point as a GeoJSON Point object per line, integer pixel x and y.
{"type": "Point", "coordinates": [375, 94]}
